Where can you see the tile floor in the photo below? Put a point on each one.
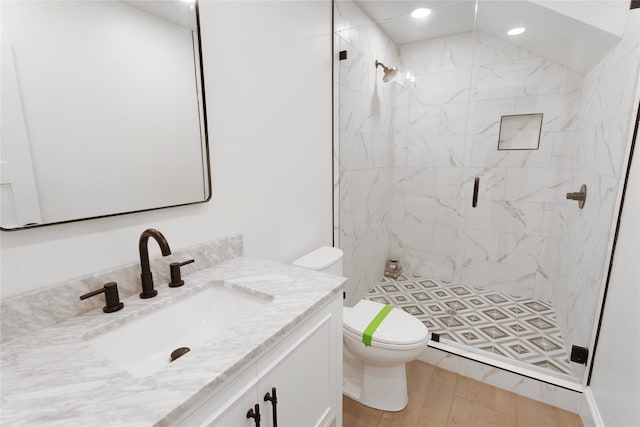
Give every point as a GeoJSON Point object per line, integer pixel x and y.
{"type": "Point", "coordinates": [518, 328]}
{"type": "Point", "coordinates": [442, 398]}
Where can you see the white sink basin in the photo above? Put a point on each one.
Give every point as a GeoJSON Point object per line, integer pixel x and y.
{"type": "Point", "coordinates": [143, 346]}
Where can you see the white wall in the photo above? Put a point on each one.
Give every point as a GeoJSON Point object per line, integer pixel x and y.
{"type": "Point", "coordinates": [268, 85]}
{"type": "Point", "coordinates": [615, 384]}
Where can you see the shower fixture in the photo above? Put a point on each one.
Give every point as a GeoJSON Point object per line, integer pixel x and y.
{"type": "Point", "coordinates": [580, 196]}
{"type": "Point", "coordinates": [389, 72]}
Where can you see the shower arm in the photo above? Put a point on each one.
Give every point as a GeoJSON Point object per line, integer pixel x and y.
{"type": "Point", "coordinates": [384, 67]}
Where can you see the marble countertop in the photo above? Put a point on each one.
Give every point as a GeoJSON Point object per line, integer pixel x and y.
{"type": "Point", "coordinates": [53, 377]}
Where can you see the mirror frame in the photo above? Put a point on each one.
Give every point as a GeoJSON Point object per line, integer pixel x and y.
{"type": "Point", "coordinates": [206, 163]}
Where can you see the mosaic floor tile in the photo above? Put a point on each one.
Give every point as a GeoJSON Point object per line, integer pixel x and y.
{"type": "Point", "coordinates": [495, 314]}
{"type": "Point", "coordinates": [494, 333]}
{"type": "Point", "coordinates": [413, 309]}
{"type": "Point", "coordinates": [520, 328]}
{"type": "Point", "coordinates": [540, 323]}
{"type": "Point", "coordinates": [497, 298]}
{"type": "Point", "coordinates": [421, 296]}
{"type": "Point", "coordinates": [456, 305]}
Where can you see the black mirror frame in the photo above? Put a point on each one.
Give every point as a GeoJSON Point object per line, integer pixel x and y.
{"type": "Point", "coordinates": [206, 163]}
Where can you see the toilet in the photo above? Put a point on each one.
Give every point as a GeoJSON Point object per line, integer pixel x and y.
{"type": "Point", "coordinates": [374, 375]}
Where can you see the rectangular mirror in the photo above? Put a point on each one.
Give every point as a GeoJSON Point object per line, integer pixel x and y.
{"type": "Point", "coordinates": [102, 110]}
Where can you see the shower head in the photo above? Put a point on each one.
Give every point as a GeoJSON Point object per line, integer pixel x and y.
{"type": "Point", "coordinates": [389, 72]}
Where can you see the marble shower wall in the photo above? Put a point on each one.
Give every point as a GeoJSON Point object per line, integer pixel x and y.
{"type": "Point", "coordinates": [509, 243]}
{"type": "Point", "coordinates": [363, 148]}
{"type": "Point", "coordinates": [607, 112]}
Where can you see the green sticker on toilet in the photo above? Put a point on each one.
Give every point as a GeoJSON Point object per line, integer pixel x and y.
{"type": "Point", "coordinates": [373, 326]}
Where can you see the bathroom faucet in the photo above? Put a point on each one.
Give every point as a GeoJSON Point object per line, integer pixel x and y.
{"type": "Point", "coordinates": [145, 275]}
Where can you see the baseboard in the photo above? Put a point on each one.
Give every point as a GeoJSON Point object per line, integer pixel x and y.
{"type": "Point", "coordinates": [590, 413]}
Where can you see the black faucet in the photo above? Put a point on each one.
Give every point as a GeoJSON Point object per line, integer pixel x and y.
{"type": "Point", "coordinates": [146, 276]}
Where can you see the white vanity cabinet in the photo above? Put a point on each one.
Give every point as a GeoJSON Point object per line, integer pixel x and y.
{"type": "Point", "coordinates": [305, 367]}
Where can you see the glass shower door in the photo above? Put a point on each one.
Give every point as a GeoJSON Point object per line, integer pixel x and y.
{"type": "Point", "coordinates": [518, 121]}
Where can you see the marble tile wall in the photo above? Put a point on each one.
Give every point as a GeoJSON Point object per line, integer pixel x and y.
{"type": "Point", "coordinates": [363, 143]}
{"type": "Point", "coordinates": [464, 84]}
{"type": "Point", "coordinates": [604, 130]}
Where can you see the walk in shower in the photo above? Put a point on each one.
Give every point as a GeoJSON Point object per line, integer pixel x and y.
{"type": "Point", "coordinates": [458, 163]}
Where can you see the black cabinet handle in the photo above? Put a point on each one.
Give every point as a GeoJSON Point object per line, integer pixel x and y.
{"type": "Point", "coordinates": [274, 403]}
{"type": "Point", "coordinates": [255, 414]}
{"type": "Point", "coordinates": [476, 184]}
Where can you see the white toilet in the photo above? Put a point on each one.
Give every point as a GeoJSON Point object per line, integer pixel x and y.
{"type": "Point", "coordinates": [374, 375]}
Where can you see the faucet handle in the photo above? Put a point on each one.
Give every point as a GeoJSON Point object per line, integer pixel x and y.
{"type": "Point", "coordinates": [176, 276]}
{"type": "Point", "coordinates": [111, 297]}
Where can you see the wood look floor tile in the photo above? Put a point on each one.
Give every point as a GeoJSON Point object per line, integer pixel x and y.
{"type": "Point", "coordinates": [357, 415]}
{"type": "Point", "coordinates": [485, 395]}
{"type": "Point", "coordinates": [468, 414]}
{"type": "Point", "coordinates": [531, 413]}
{"type": "Point", "coordinates": [437, 402]}
{"type": "Point", "coordinates": [441, 398]}
{"type": "Point", "coordinates": [418, 379]}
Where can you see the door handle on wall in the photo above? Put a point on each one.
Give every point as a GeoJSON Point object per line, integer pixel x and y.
{"type": "Point", "coordinates": [476, 184]}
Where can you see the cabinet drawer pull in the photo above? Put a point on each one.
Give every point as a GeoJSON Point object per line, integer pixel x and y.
{"type": "Point", "coordinates": [274, 402]}
{"type": "Point", "coordinates": [255, 414]}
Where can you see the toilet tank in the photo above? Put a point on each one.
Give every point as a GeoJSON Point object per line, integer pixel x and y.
{"type": "Point", "coordinates": [325, 259]}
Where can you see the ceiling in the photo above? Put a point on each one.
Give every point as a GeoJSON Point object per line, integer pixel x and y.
{"type": "Point", "coordinates": [561, 38]}
{"type": "Point", "coordinates": [177, 11]}
{"type": "Point", "coordinates": [394, 18]}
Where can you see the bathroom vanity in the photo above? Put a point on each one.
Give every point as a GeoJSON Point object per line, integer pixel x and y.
{"type": "Point", "coordinates": [100, 368]}
{"type": "Point", "coordinates": [301, 369]}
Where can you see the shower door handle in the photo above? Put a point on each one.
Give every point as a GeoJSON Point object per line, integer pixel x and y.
{"type": "Point", "coordinates": [476, 184]}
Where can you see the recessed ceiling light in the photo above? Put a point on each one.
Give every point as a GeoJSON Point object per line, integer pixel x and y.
{"type": "Point", "coordinates": [420, 13]}
{"type": "Point", "coordinates": [516, 31]}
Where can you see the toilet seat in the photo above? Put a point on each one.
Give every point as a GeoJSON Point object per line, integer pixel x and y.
{"type": "Point", "coordinates": [377, 344]}
{"type": "Point", "coordinates": [398, 330]}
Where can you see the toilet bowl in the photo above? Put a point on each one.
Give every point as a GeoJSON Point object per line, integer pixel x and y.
{"type": "Point", "coordinates": [375, 374]}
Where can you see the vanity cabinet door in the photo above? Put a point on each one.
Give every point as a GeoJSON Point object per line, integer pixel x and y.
{"type": "Point", "coordinates": [305, 376]}
{"type": "Point", "coordinates": [306, 370]}
{"type": "Point", "coordinates": [234, 412]}
{"type": "Point", "coordinates": [227, 407]}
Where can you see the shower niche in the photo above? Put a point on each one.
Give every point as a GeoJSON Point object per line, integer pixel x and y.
{"type": "Point", "coordinates": [515, 279]}
{"type": "Point", "coordinates": [520, 132]}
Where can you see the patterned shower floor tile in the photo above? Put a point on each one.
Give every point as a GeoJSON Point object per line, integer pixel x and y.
{"type": "Point", "coordinates": [519, 328]}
